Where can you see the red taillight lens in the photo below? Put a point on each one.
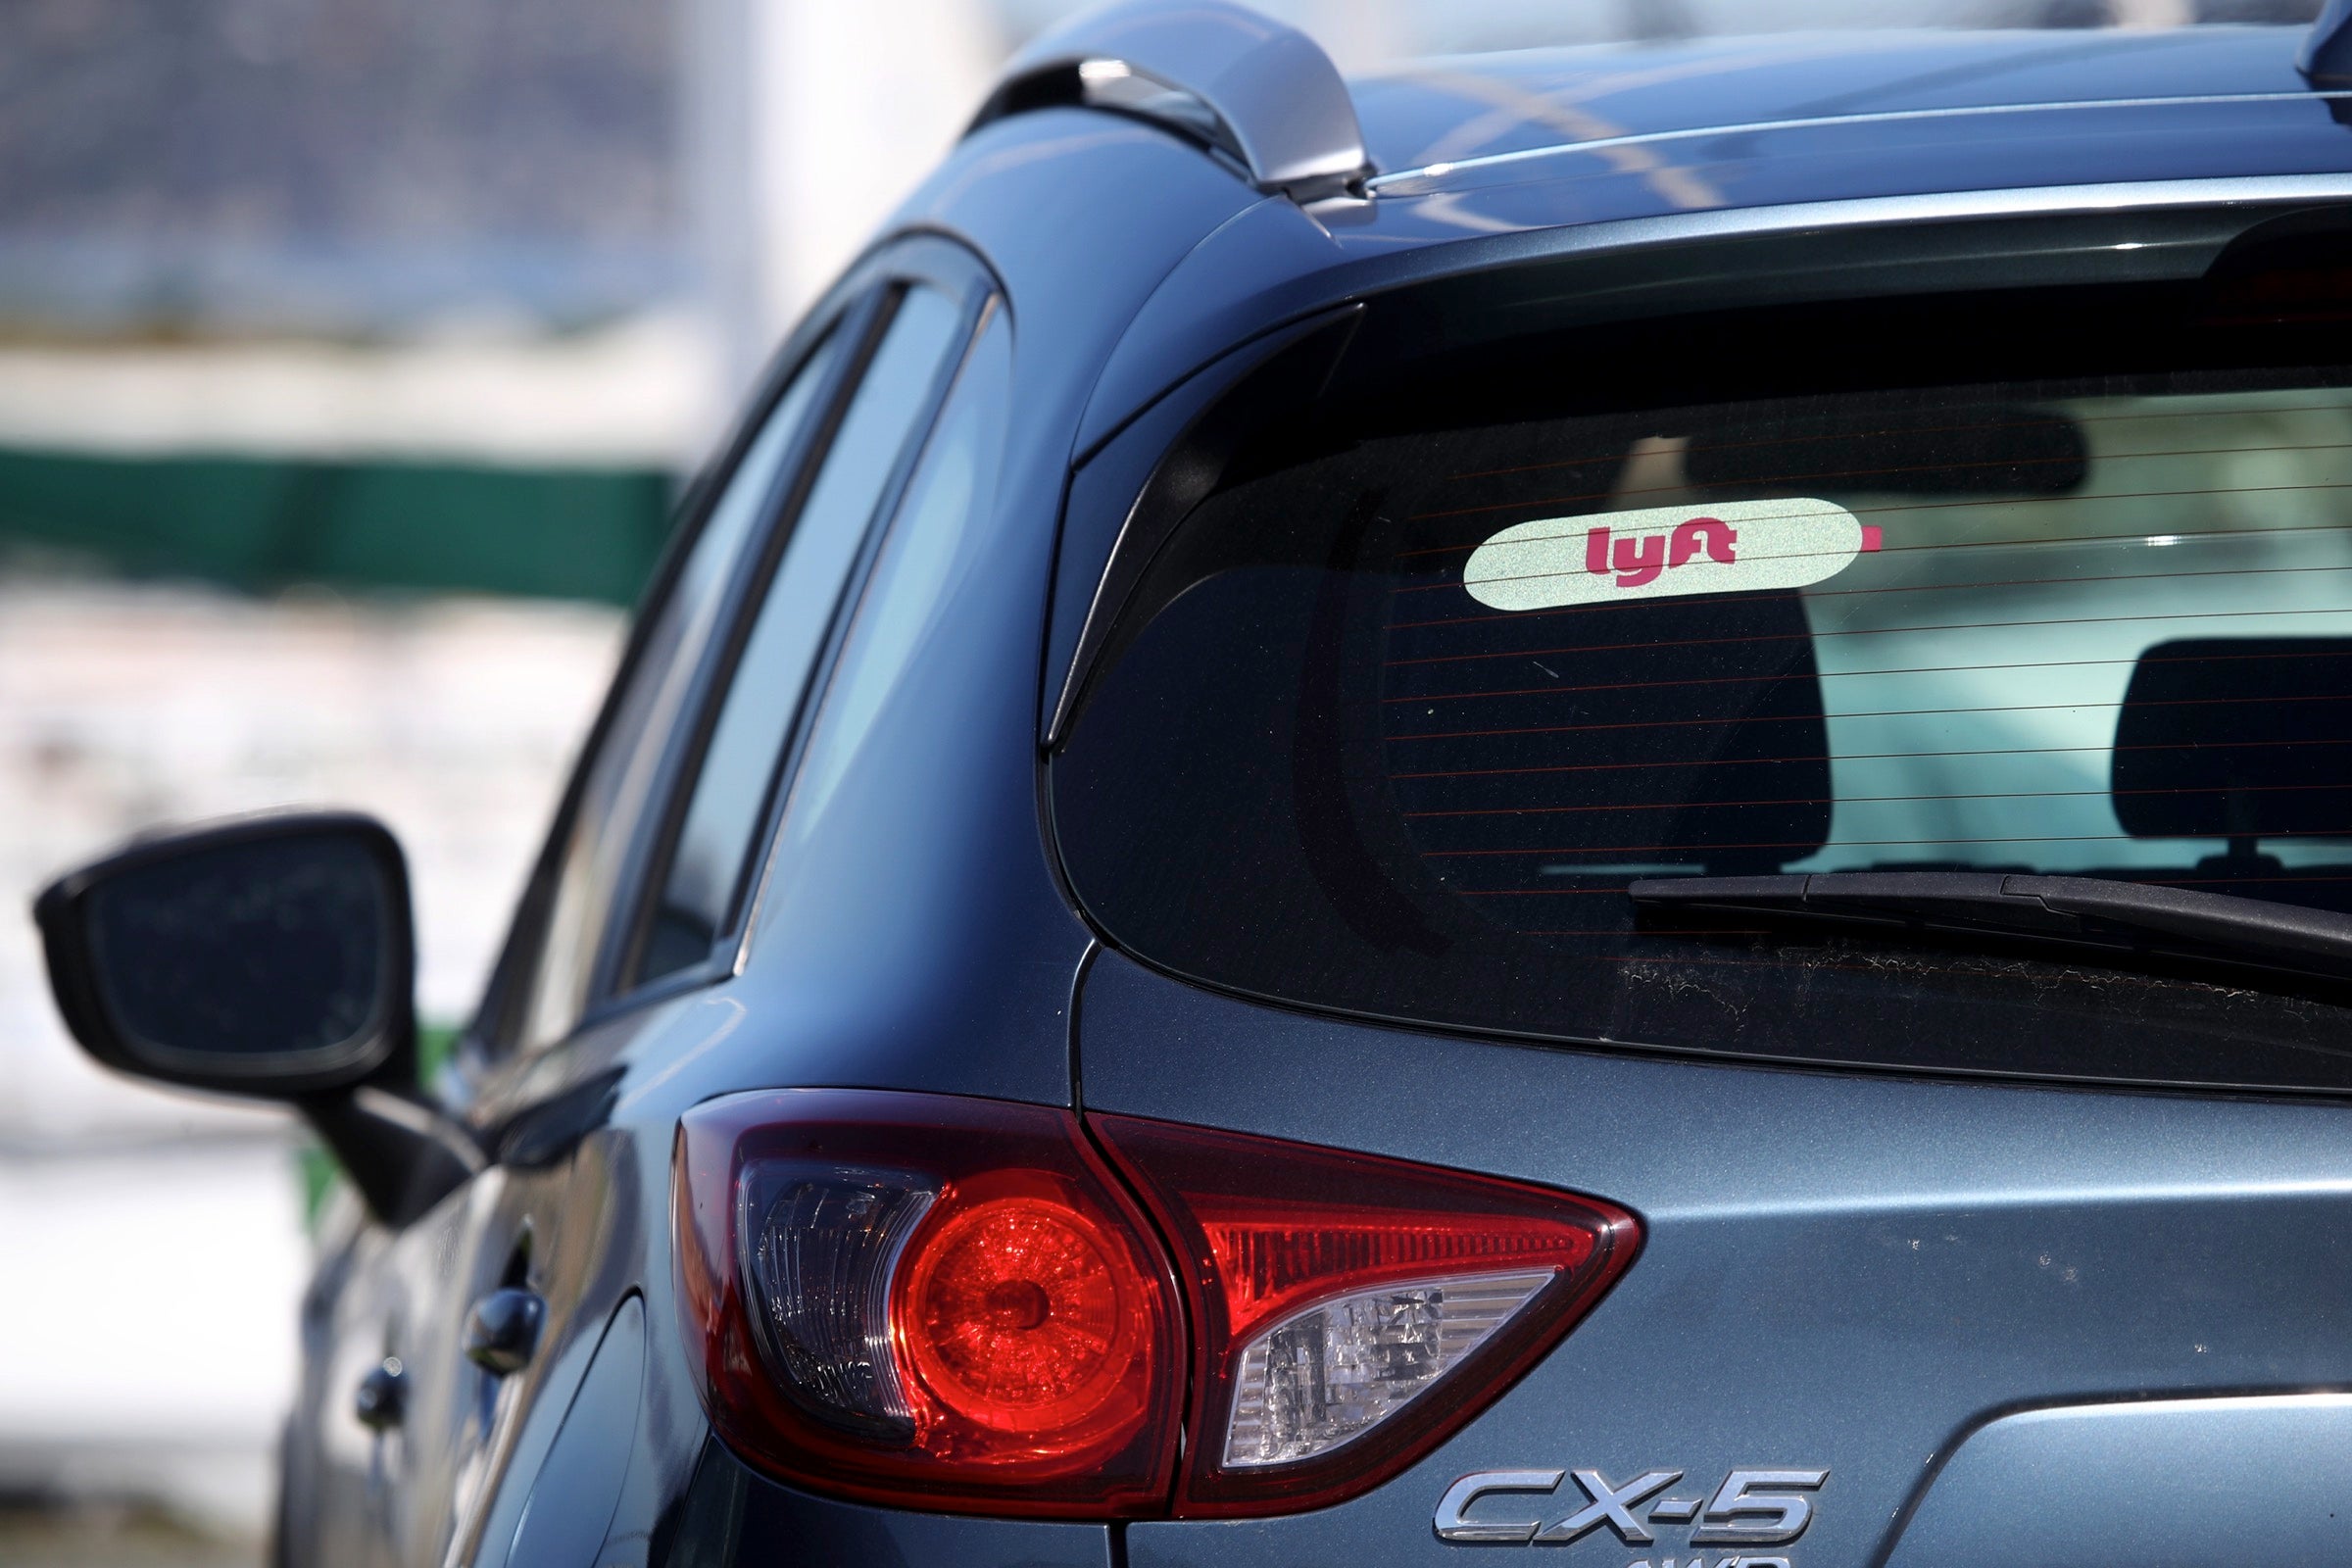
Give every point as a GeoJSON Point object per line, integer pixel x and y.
{"type": "Point", "coordinates": [1024, 1317]}
{"type": "Point", "coordinates": [1353, 1311]}
{"type": "Point", "coordinates": [956, 1304]}
{"type": "Point", "coordinates": [941, 1302]}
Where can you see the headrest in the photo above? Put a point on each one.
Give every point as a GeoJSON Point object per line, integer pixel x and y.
{"type": "Point", "coordinates": [1684, 731]}
{"type": "Point", "coordinates": [2242, 738]}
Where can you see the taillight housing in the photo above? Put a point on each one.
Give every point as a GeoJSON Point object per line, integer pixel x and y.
{"type": "Point", "coordinates": [960, 1306]}
{"type": "Point", "coordinates": [927, 1300]}
{"type": "Point", "coordinates": [1351, 1312]}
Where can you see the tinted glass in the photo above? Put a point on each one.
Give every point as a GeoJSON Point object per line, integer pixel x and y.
{"type": "Point", "coordinates": [931, 549]}
{"type": "Point", "coordinates": [269, 947]}
{"type": "Point", "coordinates": [1404, 710]}
{"type": "Point", "coordinates": [621, 775]}
{"type": "Point", "coordinates": [730, 793]}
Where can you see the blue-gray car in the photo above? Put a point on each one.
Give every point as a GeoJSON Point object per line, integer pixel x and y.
{"type": "Point", "coordinates": [1589, 808]}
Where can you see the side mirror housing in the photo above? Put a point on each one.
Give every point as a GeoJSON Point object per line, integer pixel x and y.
{"type": "Point", "coordinates": [272, 957]}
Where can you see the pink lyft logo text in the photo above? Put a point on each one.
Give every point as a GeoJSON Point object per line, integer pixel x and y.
{"type": "Point", "coordinates": [1636, 561]}
{"type": "Point", "coordinates": [1737, 547]}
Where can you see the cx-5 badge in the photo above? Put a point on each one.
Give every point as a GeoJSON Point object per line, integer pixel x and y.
{"type": "Point", "coordinates": [1751, 1508]}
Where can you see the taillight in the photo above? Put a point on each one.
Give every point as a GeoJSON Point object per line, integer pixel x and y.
{"type": "Point", "coordinates": [927, 1300]}
{"type": "Point", "coordinates": [955, 1305]}
{"type": "Point", "coordinates": [1352, 1311]}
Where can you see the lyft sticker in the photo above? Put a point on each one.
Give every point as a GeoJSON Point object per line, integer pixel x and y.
{"type": "Point", "coordinates": [1663, 551]}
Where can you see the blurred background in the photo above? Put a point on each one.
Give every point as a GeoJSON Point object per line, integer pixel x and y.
{"type": "Point", "coordinates": [351, 355]}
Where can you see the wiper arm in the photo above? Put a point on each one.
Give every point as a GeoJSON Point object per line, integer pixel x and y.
{"type": "Point", "coordinates": [2073, 910]}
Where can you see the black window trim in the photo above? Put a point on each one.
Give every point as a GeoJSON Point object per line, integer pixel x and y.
{"type": "Point", "coordinates": [648, 858]}
{"type": "Point", "coordinates": [495, 1032]}
{"type": "Point", "coordinates": [625, 942]}
{"type": "Point", "coordinates": [859, 306]}
{"type": "Point", "coordinates": [983, 309]}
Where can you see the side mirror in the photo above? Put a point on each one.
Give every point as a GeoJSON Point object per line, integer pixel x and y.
{"type": "Point", "coordinates": [271, 957]}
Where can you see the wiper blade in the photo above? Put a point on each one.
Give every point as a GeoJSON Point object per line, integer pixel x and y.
{"type": "Point", "coordinates": [2073, 910]}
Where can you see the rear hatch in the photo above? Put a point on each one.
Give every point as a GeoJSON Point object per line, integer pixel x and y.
{"type": "Point", "coordinates": [1963, 1235]}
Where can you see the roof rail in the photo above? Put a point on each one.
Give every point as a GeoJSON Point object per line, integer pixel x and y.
{"type": "Point", "coordinates": [2326, 57]}
{"type": "Point", "coordinates": [1243, 84]}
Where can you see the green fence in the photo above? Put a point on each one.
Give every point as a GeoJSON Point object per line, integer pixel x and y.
{"type": "Point", "coordinates": [257, 523]}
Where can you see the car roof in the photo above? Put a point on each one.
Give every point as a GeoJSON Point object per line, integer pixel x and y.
{"type": "Point", "coordinates": [1190, 249]}
{"type": "Point", "coordinates": [1482, 145]}
{"type": "Point", "coordinates": [1593, 135]}
{"type": "Point", "coordinates": [1482, 106]}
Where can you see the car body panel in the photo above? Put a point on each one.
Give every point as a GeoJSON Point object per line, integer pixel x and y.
{"type": "Point", "coordinates": [1082, 214]}
{"type": "Point", "coordinates": [610, 1188]}
{"type": "Point", "coordinates": [2258, 1479]}
{"type": "Point", "coordinates": [568, 1508]}
{"type": "Point", "coordinates": [1482, 106]}
{"type": "Point", "coordinates": [1211, 299]}
{"type": "Point", "coordinates": [400, 1496]}
{"type": "Point", "coordinates": [732, 1515]}
{"type": "Point", "coordinates": [1843, 159]}
{"type": "Point", "coordinates": [1841, 1272]}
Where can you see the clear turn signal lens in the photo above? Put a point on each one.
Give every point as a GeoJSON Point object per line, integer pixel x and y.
{"type": "Point", "coordinates": [1353, 1311]}
{"type": "Point", "coordinates": [1335, 1371]}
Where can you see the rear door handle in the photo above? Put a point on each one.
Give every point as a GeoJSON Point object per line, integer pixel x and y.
{"type": "Point", "coordinates": [503, 1330]}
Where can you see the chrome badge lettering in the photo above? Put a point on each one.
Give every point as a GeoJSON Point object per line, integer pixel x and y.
{"type": "Point", "coordinates": [1752, 1507]}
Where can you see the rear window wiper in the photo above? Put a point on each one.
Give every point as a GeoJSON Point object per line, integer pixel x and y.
{"type": "Point", "coordinates": [2070, 911]}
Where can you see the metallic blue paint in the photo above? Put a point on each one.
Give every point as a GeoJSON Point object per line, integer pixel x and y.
{"type": "Point", "coordinates": [2327, 50]}
{"type": "Point", "coordinates": [2254, 1480]}
{"type": "Point", "coordinates": [1450, 111]}
{"type": "Point", "coordinates": [732, 1515]}
{"type": "Point", "coordinates": [1775, 164]}
{"type": "Point", "coordinates": [571, 1503]}
{"type": "Point", "coordinates": [1838, 1271]}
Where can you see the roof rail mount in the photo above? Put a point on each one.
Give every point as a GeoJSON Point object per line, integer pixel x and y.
{"type": "Point", "coordinates": [1262, 94]}
{"type": "Point", "coordinates": [2327, 58]}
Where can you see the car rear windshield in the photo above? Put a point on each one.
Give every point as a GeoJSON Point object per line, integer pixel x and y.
{"type": "Point", "coordinates": [1402, 708]}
